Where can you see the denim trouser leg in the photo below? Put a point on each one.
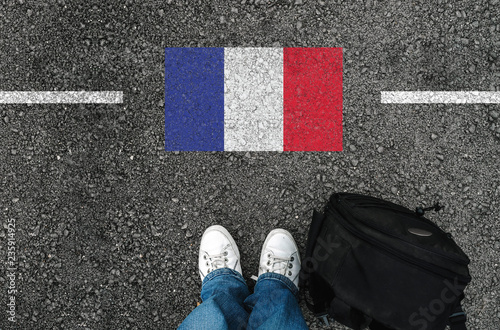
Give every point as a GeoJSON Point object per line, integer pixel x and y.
{"type": "Point", "coordinates": [274, 304]}
{"type": "Point", "coordinates": [223, 292]}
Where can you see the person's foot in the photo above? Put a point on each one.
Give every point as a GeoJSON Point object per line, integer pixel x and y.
{"type": "Point", "coordinates": [280, 255]}
{"type": "Point", "coordinates": [217, 250]}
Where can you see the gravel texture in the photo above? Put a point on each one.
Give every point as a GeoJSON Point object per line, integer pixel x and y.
{"type": "Point", "coordinates": [108, 224]}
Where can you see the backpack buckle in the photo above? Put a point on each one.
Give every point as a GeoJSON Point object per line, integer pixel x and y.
{"type": "Point", "coordinates": [456, 318]}
{"type": "Point", "coordinates": [324, 318]}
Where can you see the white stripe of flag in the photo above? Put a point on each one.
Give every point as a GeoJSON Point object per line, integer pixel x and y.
{"type": "Point", "coordinates": [253, 99]}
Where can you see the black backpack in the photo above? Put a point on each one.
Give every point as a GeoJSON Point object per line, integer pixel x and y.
{"type": "Point", "coordinates": [372, 263]}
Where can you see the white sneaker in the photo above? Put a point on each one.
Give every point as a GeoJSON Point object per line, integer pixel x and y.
{"type": "Point", "coordinates": [280, 255]}
{"type": "Point", "coordinates": [217, 250]}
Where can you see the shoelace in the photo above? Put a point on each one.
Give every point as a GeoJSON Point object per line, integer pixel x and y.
{"type": "Point", "coordinates": [284, 264]}
{"type": "Point", "coordinates": [215, 261]}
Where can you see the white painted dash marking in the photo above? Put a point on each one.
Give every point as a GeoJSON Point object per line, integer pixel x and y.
{"type": "Point", "coordinates": [23, 97]}
{"type": "Point", "coordinates": [440, 97]}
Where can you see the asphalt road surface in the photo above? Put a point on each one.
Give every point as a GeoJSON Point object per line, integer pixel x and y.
{"type": "Point", "coordinates": [107, 223]}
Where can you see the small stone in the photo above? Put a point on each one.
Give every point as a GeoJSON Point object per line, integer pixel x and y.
{"type": "Point", "coordinates": [494, 114]}
{"type": "Point", "coordinates": [36, 231]}
{"type": "Point", "coordinates": [184, 226]}
{"type": "Point", "coordinates": [380, 150]}
{"type": "Point", "coordinates": [108, 189]}
{"type": "Point", "coordinates": [188, 234]}
{"type": "Point", "coordinates": [472, 128]}
{"type": "Point", "coordinates": [298, 2]}
{"type": "Point", "coordinates": [6, 119]}
{"type": "Point", "coordinates": [433, 136]}
{"type": "Point", "coordinates": [394, 190]}
{"type": "Point", "coordinates": [440, 157]}
{"type": "Point", "coordinates": [472, 68]}
{"type": "Point", "coordinates": [13, 151]}
{"type": "Point", "coordinates": [422, 188]}
{"type": "Point", "coordinates": [131, 279]}
{"type": "Point", "coordinates": [15, 200]}
{"type": "Point", "coordinates": [175, 200]}
{"type": "Point", "coordinates": [299, 25]}
{"type": "Point", "coordinates": [354, 162]}
{"type": "Point", "coordinates": [352, 147]}
{"type": "Point", "coordinates": [161, 12]}
{"type": "Point", "coordinates": [29, 12]}
{"type": "Point", "coordinates": [154, 231]}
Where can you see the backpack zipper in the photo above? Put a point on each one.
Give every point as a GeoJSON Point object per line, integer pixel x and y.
{"type": "Point", "coordinates": [404, 211]}
{"type": "Point", "coordinates": [416, 262]}
{"type": "Point", "coordinates": [451, 258]}
{"type": "Point", "coordinates": [375, 202]}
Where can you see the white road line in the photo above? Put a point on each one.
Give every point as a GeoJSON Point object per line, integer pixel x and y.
{"type": "Point", "coordinates": [440, 97]}
{"type": "Point", "coordinates": [18, 97]}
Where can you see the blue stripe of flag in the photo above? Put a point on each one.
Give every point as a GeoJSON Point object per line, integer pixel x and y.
{"type": "Point", "coordinates": [194, 99]}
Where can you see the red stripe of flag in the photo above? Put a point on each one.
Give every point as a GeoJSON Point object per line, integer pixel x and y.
{"type": "Point", "coordinates": [312, 99]}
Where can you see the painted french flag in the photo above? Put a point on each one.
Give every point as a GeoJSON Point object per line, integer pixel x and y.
{"type": "Point", "coordinates": [253, 99]}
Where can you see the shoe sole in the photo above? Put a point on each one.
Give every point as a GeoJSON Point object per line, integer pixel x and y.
{"type": "Point", "coordinates": [228, 236]}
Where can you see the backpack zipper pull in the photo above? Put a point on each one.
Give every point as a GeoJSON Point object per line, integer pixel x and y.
{"type": "Point", "coordinates": [420, 211]}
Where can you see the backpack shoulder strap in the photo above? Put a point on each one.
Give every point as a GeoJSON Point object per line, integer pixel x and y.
{"type": "Point", "coordinates": [309, 281]}
{"type": "Point", "coordinates": [314, 230]}
{"type": "Point", "coordinates": [349, 315]}
{"type": "Point", "coordinates": [307, 262]}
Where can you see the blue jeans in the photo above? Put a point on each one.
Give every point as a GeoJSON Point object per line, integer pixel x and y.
{"type": "Point", "coordinates": [227, 303]}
